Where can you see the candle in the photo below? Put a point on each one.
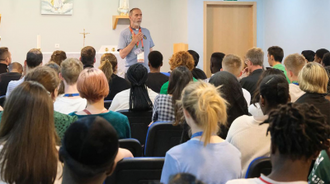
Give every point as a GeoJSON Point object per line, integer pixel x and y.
{"type": "Point", "coordinates": [38, 41]}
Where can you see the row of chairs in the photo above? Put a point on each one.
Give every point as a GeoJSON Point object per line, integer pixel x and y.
{"type": "Point", "coordinates": [148, 170]}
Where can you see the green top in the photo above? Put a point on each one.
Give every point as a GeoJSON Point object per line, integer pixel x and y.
{"type": "Point", "coordinates": [163, 90]}
{"type": "Point", "coordinates": [321, 170]}
{"type": "Point", "coordinates": [119, 122]}
{"type": "Point", "coordinates": [62, 122]}
{"type": "Point", "coordinates": [282, 68]}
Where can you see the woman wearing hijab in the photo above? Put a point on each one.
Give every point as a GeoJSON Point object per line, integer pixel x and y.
{"type": "Point", "coordinates": [232, 93]}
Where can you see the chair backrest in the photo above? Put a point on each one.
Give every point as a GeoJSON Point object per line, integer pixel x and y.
{"type": "Point", "coordinates": [161, 137]}
{"type": "Point", "coordinates": [107, 103]}
{"type": "Point", "coordinates": [139, 121]}
{"type": "Point", "coordinates": [133, 145]}
{"type": "Point", "coordinates": [136, 171]}
{"type": "Point", "coordinates": [260, 165]}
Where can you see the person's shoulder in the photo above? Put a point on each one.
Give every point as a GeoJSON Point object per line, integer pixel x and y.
{"type": "Point", "coordinates": [125, 31]}
{"type": "Point", "coordinates": [243, 181]}
{"type": "Point", "coordinates": [65, 117]}
{"type": "Point", "coordinates": [117, 115]}
{"type": "Point", "coordinates": [145, 30]}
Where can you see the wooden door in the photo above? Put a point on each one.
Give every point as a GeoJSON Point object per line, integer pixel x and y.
{"type": "Point", "coordinates": [229, 27]}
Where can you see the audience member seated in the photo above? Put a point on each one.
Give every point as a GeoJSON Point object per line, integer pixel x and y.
{"type": "Point", "coordinates": [47, 77]}
{"type": "Point", "coordinates": [203, 109]}
{"type": "Point", "coordinates": [58, 56]}
{"type": "Point", "coordinates": [246, 133]}
{"type": "Point", "coordinates": [309, 55]}
{"type": "Point", "coordinates": [164, 105]}
{"type": "Point", "coordinates": [181, 58]}
{"type": "Point", "coordinates": [275, 56]}
{"type": "Point", "coordinates": [70, 101]}
{"type": "Point", "coordinates": [293, 64]}
{"type": "Point", "coordinates": [139, 97]}
{"type": "Point", "coordinates": [109, 66]}
{"type": "Point", "coordinates": [5, 59]}
{"type": "Point", "coordinates": [15, 73]}
{"type": "Point", "coordinates": [196, 72]}
{"type": "Point", "coordinates": [90, 151]}
{"type": "Point", "coordinates": [54, 66]}
{"type": "Point", "coordinates": [155, 78]}
{"type": "Point", "coordinates": [33, 59]}
{"type": "Point", "coordinates": [184, 178]}
{"type": "Point", "coordinates": [28, 137]}
{"type": "Point", "coordinates": [254, 108]}
{"type": "Point", "coordinates": [87, 56]}
{"type": "Point", "coordinates": [314, 81]}
{"type": "Point", "coordinates": [298, 134]}
{"type": "Point", "coordinates": [319, 55]}
{"type": "Point", "coordinates": [231, 91]}
{"type": "Point", "coordinates": [321, 170]}
{"type": "Point", "coordinates": [326, 64]}
{"type": "Point", "coordinates": [233, 64]}
{"type": "Point", "coordinates": [93, 85]}
{"type": "Point", "coordinates": [216, 62]}
{"type": "Point", "coordinates": [254, 59]}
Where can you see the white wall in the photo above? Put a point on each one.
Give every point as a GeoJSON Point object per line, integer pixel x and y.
{"type": "Point", "coordinates": [22, 22]}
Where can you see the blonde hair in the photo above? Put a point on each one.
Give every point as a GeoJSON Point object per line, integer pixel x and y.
{"type": "Point", "coordinates": [182, 58]}
{"type": "Point", "coordinates": [106, 68]}
{"type": "Point", "coordinates": [256, 56]}
{"type": "Point", "coordinates": [313, 78]}
{"type": "Point", "coordinates": [232, 64]}
{"type": "Point", "coordinates": [70, 70]}
{"type": "Point", "coordinates": [112, 58]}
{"type": "Point", "coordinates": [294, 63]}
{"type": "Point", "coordinates": [206, 107]}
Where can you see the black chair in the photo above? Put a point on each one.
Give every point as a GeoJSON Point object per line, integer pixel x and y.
{"type": "Point", "coordinates": [137, 171]}
{"type": "Point", "coordinates": [133, 145]}
{"type": "Point", "coordinates": [260, 165]}
{"type": "Point", "coordinates": [107, 103]}
{"type": "Point", "coordinates": [2, 100]}
{"type": "Point", "coordinates": [161, 137]}
{"type": "Point", "coordinates": [139, 121]}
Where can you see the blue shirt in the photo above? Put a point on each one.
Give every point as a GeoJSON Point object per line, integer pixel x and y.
{"type": "Point", "coordinates": [126, 38]}
{"type": "Point", "coordinates": [214, 164]}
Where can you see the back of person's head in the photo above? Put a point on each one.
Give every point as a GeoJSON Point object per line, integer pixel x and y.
{"type": "Point", "coordinates": [89, 149]}
{"type": "Point", "coordinates": [92, 84]}
{"type": "Point", "coordinates": [216, 61]}
{"type": "Point", "coordinates": [28, 132]}
{"type": "Point", "coordinates": [195, 55]}
{"type": "Point", "coordinates": [70, 70]}
{"type": "Point", "coordinates": [139, 99]}
{"type": "Point", "coordinates": [326, 59]}
{"type": "Point", "coordinates": [179, 79]}
{"type": "Point", "coordinates": [232, 64]}
{"type": "Point", "coordinates": [4, 53]}
{"type": "Point", "coordinates": [298, 131]}
{"type": "Point", "coordinates": [54, 66]}
{"type": "Point", "coordinates": [309, 55]}
{"type": "Point", "coordinates": [184, 178]}
{"type": "Point", "coordinates": [113, 60]}
{"type": "Point", "coordinates": [294, 63]}
{"type": "Point", "coordinates": [274, 90]}
{"type": "Point", "coordinates": [106, 68]}
{"type": "Point", "coordinates": [182, 58]}
{"type": "Point", "coordinates": [276, 52]}
{"type": "Point", "coordinates": [47, 77]}
{"type": "Point", "coordinates": [269, 71]}
{"type": "Point", "coordinates": [155, 59]}
{"type": "Point", "coordinates": [319, 53]}
{"type": "Point", "coordinates": [313, 78]}
{"type": "Point", "coordinates": [205, 106]}
{"type": "Point", "coordinates": [34, 58]}
{"type": "Point", "coordinates": [58, 56]}
{"type": "Point", "coordinates": [256, 56]}
{"type": "Point", "coordinates": [16, 67]}
{"type": "Point", "coordinates": [87, 56]}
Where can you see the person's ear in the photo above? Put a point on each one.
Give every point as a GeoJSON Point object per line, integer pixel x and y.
{"type": "Point", "coordinates": [221, 69]}
{"type": "Point", "coordinates": [80, 59]}
{"type": "Point", "coordinates": [186, 113]}
{"type": "Point", "coordinates": [149, 65]}
{"type": "Point", "coordinates": [94, 60]}
{"type": "Point", "coordinates": [60, 76]}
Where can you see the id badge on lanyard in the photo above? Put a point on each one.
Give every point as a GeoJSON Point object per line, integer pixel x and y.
{"type": "Point", "coordinates": [139, 52]}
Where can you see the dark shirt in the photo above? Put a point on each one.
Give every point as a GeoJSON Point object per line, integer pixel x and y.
{"type": "Point", "coordinates": [319, 101]}
{"type": "Point", "coordinates": [5, 78]}
{"type": "Point", "coordinates": [155, 81]}
{"type": "Point", "coordinates": [250, 82]}
{"type": "Point", "coordinates": [116, 85]}
{"type": "Point", "coordinates": [3, 68]}
{"type": "Point", "coordinates": [198, 74]}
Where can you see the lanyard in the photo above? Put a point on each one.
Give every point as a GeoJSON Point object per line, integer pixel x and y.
{"type": "Point", "coordinates": [196, 134]}
{"type": "Point", "coordinates": [296, 83]}
{"type": "Point", "coordinates": [264, 180]}
{"type": "Point", "coordinates": [71, 95]}
{"type": "Point", "coordinates": [137, 44]}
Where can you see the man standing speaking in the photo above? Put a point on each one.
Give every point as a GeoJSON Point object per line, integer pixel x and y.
{"type": "Point", "coordinates": [135, 42]}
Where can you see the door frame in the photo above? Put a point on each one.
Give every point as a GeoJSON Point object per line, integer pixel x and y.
{"type": "Point", "coordinates": [206, 64]}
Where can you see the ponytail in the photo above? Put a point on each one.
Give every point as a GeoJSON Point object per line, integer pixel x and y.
{"type": "Point", "coordinates": [106, 67]}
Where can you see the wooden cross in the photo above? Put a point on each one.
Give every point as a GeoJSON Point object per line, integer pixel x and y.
{"type": "Point", "coordinates": [84, 33]}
